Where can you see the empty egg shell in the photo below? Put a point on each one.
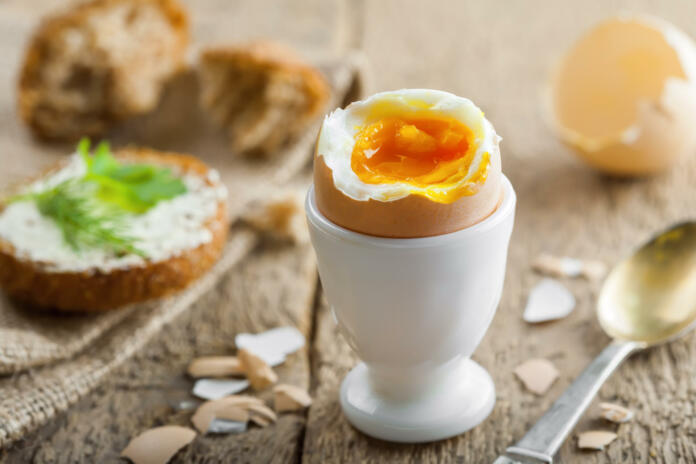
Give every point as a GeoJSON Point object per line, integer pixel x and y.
{"type": "Point", "coordinates": [630, 108]}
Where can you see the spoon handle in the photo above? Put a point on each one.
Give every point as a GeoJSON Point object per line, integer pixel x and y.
{"type": "Point", "coordinates": [546, 436]}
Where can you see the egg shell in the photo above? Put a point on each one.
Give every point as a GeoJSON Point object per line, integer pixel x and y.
{"type": "Point", "coordinates": [409, 217]}
{"type": "Point", "coordinates": [661, 131]}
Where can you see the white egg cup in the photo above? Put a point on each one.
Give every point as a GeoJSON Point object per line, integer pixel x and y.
{"type": "Point", "coordinates": [414, 310]}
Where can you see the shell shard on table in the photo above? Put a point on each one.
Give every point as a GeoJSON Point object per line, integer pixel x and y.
{"type": "Point", "coordinates": [615, 413]}
{"type": "Point", "coordinates": [259, 373]}
{"type": "Point", "coordinates": [569, 267]}
{"type": "Point", "coordinates": [595, 439]}
{"type": "Point", "coordinates": [212, 389]}
{"type": "Point", "coordinates": [548, 300]}
{"type": "Point", "coordinates": [263, 411]}
{"type": "Point", "coordinates": [273, 345]}
{"type": "Point", "coordinates": [537, 375]}
{"type": "Point", "coordinates": [290, 398]}
{"type": "Point", "coordinates": [209, 411]}
{"type": "Point", "coordinates": [214, 366]}
{"type": "Point", "coordinates": [158, 445]}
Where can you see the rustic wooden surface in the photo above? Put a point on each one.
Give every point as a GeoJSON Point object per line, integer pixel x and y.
{"type": "Point", "coordinates": [498, 54]}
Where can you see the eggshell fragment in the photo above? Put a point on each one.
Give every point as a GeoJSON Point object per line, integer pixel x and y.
{"type": "Point", "coordinates": [615, 413]}
{"type": "Point", "coordinates": [212, 389]}
{"type": "Point", "coordinates": [206, 413]}
{"type": "Point", "coordinates": [548, 300]}
{"type": "Point", "coordinates": [537, 375]}
{"type": "Point", "coordinates": [257, 370]}
{"type": "Point", "coordinates": [280, 215]}
{"type": "Point", "coordinates": [263, 411]}
{"type": "Point", "coordinates": [290, 398]}
{"type": "Point", "coordinates": [628, 109]}
{"type": "Point", "coordinates": [214, 366]}
{"type": "Point", "coordinates": [273, 345]}
{"type": "Point", "coordinates": [158, 445]}
{"type": "Point", "coordinates": [569, 267]}
{"type": "Point", "coordinates": [595, 439]}
{"type": "Point", "coordinates": [232, 412]}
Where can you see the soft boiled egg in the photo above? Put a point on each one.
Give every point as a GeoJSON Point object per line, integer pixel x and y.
{"type": "Point", "coordinates": [407, 163]}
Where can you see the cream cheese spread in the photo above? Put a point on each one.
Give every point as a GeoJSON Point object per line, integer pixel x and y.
{"type": "Point", "coordinates": [166, 230]}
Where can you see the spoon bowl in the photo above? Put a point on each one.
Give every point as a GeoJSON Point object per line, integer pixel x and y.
{"type": "Point", "coordinates": [650, 297]}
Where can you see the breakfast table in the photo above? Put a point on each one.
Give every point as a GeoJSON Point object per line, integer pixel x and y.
{"type": "Point", "coordinates": [499, 54]}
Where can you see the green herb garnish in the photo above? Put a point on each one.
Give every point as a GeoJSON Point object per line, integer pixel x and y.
{"type": "Point", "coordinates": [92, 210]}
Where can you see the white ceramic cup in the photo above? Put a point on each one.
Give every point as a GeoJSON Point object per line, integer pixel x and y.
{"type": "Point", "coordinates": [414, 310]}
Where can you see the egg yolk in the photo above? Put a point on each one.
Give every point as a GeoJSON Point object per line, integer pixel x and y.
{"type": "Point", "coordinates": [432, 154]}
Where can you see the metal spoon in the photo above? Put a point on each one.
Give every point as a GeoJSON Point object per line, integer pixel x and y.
{"type": "Point", "coordinates": [647, 299]}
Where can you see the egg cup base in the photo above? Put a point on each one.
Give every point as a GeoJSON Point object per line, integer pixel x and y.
{"type": "Point", "coordinates": [465, 401]}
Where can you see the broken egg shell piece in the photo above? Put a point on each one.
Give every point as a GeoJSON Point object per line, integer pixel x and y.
{"type": "Point", "coordinates": [290, 398]}
{"type": "Point", "coordinates": [273, 345]}
{"type": "Point", "coordinates": [158, 445]}
{"type": "Point", "coordinates": [259, 420]}
{"type": "Point", "coordinates": [537, 375]}
{"type": "Point", "coordinates": [595, 439]}
{"type": "Point", "coordinates": [569, 267]}
{"type": "Point", "coordinates": [263, 411]}
{"type": "Point", "coordinates": [232, 412]}
{"type": "Point", "coordinates": [548, 300]}
{"type": "Point", "coordinates": [615, 413]}
{"type": "Point", "coordinates": [214, 366]}
{"type": "Point", "coordinates": [207, 411]}
{"type": "Point", "coordinates": [258, 372]}
{"type": "Point", "coordinates": [212, 389]}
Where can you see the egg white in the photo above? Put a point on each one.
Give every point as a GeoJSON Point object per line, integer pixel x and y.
{"type": "Point", "coordinates": [337, 138]}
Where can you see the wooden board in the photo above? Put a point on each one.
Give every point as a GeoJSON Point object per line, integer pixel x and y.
{"type": "Point", "coordinates": [498, 54]}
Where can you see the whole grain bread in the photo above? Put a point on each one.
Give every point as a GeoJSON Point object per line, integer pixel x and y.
{"type": "Point", "coordinates": [262, 94]}
{"type": "Point", "coordinates": [98, 63]}
{"type": "Point", "coordinates": [33, 284]}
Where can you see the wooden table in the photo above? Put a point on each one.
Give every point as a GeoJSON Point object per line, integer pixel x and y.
{"type": "Point", "coordinates": [498, 54]}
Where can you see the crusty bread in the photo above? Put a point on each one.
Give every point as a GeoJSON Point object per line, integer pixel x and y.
{"type": "Point", "coordinates": [262, 94]}
{"type": "Point", "coordinates": [98, 63]}
{"type": "Point", "coordinates": [96, 290]}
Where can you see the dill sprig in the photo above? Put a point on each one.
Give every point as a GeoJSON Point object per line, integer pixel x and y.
{"type": "Point", "coordinates": [92, 211]}
{"type": "Point", "coordinates": [84, 221]}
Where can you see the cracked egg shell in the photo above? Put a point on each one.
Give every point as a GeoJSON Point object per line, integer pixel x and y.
{"type": "Point", "coordinates": [624, 96]}
{"type": "Point", "coordinates": [407, 163]}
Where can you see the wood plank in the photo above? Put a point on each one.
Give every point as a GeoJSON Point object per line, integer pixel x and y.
{"type": "Point", "coordinates": [499, 55]}
{"type": "Point", "coordinates": [273, 287]}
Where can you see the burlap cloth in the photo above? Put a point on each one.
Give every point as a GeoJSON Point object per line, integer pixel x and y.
{"type": "Point", "coordinates": [48, 362]}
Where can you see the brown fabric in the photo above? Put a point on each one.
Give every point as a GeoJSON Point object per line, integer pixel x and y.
{"type": "Point", "coordinates": [76, 352]}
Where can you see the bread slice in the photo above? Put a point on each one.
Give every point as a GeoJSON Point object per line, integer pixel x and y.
{"type": "Point", "coordinates": [262, 94]}
{"type": "Point", "coordinates": [98, 63]}
{"type": "Point", "coordinates": [117, 281]}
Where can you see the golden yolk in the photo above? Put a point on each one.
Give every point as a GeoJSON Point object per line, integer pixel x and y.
{"type": "Point", "coordinates": [433, 154]}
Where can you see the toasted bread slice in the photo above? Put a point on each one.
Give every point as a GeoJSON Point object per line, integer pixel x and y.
{"type": "Point", "coordinates": [49, 277]}
{"type": "Point", "coordinates": [98, 63]}
{"type": "Point", "coordinates": [262, 94]}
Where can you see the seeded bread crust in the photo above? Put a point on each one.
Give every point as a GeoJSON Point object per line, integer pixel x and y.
{"type": "Point", "coordinates": [98, 63]}
{"type": "Point", "coordinates": [92, 291]}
